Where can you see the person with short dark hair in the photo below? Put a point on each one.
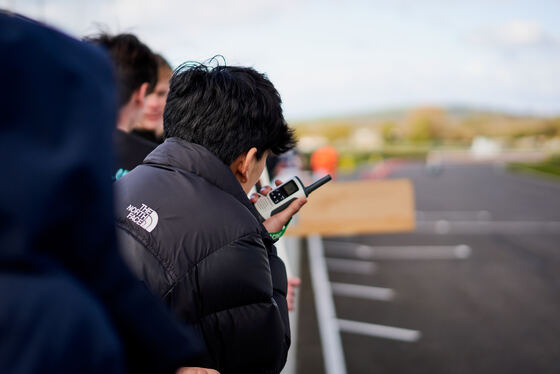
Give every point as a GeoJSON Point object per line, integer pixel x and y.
{"type": "Point", "coordinates": [188, 229]}
{"type": "Point", "coordinates": [136, 69]}
{"type": "Point", "coordinates": [150, 126]}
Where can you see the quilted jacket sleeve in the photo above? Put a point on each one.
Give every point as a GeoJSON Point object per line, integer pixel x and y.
{"type": "Point", "coordinates": [241, 291]}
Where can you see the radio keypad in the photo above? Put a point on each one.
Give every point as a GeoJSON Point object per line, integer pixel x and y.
{"type": "Point", "coordinates": [277, 195]}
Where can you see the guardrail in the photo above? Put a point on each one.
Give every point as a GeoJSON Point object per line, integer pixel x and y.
{"type": "Point", "coordinates": [289, 249]}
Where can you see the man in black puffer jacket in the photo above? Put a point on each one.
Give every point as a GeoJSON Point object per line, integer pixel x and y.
{"type": "Point", "coordinates": [188, 230]}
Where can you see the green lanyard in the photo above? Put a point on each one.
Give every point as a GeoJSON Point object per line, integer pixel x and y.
{"type": "Point", "coordinates": [278, 235]}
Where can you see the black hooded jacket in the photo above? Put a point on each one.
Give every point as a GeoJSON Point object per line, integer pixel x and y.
{"type": "Point", "coordinates": [187, 228]}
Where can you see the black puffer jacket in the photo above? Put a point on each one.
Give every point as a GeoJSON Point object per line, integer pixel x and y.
{"type": "Point", "coordinates": [188, 230]}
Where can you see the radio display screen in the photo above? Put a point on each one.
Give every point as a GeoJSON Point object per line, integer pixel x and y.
{"type": "Point", "coordinates": [290, 187]}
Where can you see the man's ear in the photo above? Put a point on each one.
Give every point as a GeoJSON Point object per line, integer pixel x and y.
{"type": "Point", "coordinates": [140, 94]}
{"type": "Point", "coordinates": [242, 164]}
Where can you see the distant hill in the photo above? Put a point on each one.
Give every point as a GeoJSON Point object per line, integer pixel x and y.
{"type": "Point", "coordinates": [429, 126]}
{"type": "Point", "coordinates": [456, 112]}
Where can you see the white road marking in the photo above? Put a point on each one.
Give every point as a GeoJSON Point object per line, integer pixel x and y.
{"type": "Point", "coordinates": [443, 227]}
{"type": "Point", "coordinates": [379, 331]}
{"type": "Point", "coordinates": [463, 251]}
{"type": "Point", "coordinates": [350, 266]}
{"type": "Point", "coordinates": [331, 343]}
{"type": "Point", "coordinates": [466, 215]}
{"type": "Point", "coordinates": [362, 292]}
{"type": "Point", "coordinates": [416, 252]}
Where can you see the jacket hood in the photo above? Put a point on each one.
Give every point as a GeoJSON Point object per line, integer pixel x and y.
{"type": "Point", "coordinates": [56, 205]}
{"type": "Point", "coordinates": [58, 111]}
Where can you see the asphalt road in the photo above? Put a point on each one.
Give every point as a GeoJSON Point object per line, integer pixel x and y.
{"type": "Point", "coordinates": [479, 281]}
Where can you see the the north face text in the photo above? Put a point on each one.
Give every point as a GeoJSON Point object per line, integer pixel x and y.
{"type": "Point", "coordinates": [145, 217]}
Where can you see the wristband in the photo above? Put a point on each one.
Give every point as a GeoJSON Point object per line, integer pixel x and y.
{"type": "Point", "coordinates": [277, 235]}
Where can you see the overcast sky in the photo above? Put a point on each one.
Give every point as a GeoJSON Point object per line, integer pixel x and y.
{"type": "Point", "coordinates": [343, 57]}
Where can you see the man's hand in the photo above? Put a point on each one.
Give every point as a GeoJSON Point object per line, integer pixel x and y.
{"type": "Point", "coordinates": [191, 370]}
{"type": "Point", "coordinates": [277, 221]}
{"type": "Point", "coordinates": [293, 283]}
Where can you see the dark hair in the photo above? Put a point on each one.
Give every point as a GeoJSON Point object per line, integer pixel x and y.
{"type": "Point", "coordinates": [134, 63]}
{"type": "Point", "coordinates": [162, 62]}
{"type": "Point", "coordinates": [164, 69]}
{"type": "Point", "coordinates": [226, 109]}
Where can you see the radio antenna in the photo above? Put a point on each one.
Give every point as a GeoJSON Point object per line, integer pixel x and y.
{"type": "Point", "coordinates": [313, 186]}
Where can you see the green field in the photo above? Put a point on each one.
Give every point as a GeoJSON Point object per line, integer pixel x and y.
{"type": "Point", "coordinates": [549, 168]}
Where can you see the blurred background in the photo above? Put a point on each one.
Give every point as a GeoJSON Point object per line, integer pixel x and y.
{"type": "Point", "coordinates": [460, 97]}
{"type": "Point", "coordinates": [395, 78]}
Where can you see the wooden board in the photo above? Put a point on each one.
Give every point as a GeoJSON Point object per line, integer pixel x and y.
{"type": "Point", "coordinates": [362, 207]}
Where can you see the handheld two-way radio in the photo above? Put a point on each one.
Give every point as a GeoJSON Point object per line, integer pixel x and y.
{"type": "Point", "coordinates": [279, 198]}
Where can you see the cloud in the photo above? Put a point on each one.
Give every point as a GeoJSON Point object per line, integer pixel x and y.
{"type": "Point", "coordinates": [514, 34]}
{"type": "Point", "coordinates": [330, 57]}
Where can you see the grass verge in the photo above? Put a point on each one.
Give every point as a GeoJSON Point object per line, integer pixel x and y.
{"type": "Point", "coordinates": [547, 169]}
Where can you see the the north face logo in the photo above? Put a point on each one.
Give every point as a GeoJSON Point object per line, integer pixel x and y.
{"type": "Point", "coordinates": [145, 217]}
